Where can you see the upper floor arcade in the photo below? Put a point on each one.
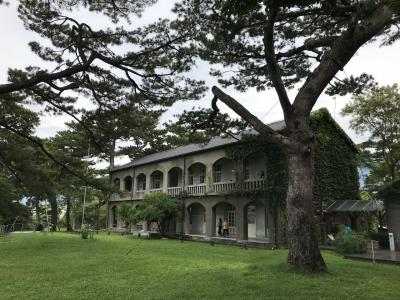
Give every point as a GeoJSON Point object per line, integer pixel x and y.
{"type": "Point", "coordinates": [195, 173]}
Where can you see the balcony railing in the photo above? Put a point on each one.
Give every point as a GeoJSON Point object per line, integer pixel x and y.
{"type": "Point", "coordinates": [174, 191]}
{"type": "Point", "coordinates": [199, 189]}
{"type": "Point", "coordinates": [140, 194]}
{"type": "Point", "coordinates": [114, 197]}
{"type": "Point", "coordinates": [251, 184]}
{"type": "Point", "coordinates": [223, 187]}
{"type": "Point", "coordinates": [121, 196]}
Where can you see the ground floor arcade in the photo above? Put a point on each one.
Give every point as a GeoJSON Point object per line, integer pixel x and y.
{"type": "Point", "coordinates": [246, 219]}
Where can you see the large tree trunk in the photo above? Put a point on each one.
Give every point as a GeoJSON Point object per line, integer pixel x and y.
{"type": "Point", "coordinates": [68, 214]}
{"type": "Point", "coordinates": [97, 216]}
{"type": "Point", "coordinates": [112, 154]}
{"type": "Point", "coordinates": [304, 253]}
{"type": "Point", "coordinates": [38, 225]}
{"type": "Point", "coordinates": [54, 214]}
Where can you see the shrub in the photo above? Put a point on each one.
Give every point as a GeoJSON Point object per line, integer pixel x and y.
{"type": "Point", "coordinates": [351, 243]}
{"type": "Point", "coordinates": [158, 207]}
{"type": "Point", "coordinates": [340, 232]}
{"type": "Point", "coordinates": [390, 193]}
{"type": "Point", "coordinates": [127, 214]}
{"type": "Point", "coordinates": [382, 237]}
{"type": "Point", "coordinates": [85, 231]}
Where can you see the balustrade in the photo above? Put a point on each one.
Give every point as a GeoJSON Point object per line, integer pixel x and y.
{"type": "Point", "coordinates": [174, 191]}
{"type": "Point", "coordinates": [223, 187]}
{"type": "Point", "coordinates": [198, 189]}
{"type": "Point", "coordinates": [251, 184]}
{"type": "Point", "coordinates": [140, 194]}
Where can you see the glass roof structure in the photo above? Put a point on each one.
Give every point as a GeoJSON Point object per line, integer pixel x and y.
{"type": "Point", "coordinates": [355, 205]}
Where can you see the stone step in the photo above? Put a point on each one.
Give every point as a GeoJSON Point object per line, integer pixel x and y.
{"type": "Point", "coordinates": [230, 241]}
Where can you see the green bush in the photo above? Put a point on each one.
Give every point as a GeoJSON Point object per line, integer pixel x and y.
{"type": "Point", "coordinates": [158, 207]}
{"type": "Point", "coordinates": [351, 243]}
{"type": "Point", "coordinates": [390, 193]}
{"type": "Point", "coordinates": [85, 231]}
{"type": "Point", "coordinates": [39, 227]}
{"type": "Point", "coordinates": [340, 232]}
{"type": "Point", "coordinates": [382, 238]}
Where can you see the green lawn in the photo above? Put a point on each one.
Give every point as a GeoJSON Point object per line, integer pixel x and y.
{"type": "Point", "coordinates": [63, 266]}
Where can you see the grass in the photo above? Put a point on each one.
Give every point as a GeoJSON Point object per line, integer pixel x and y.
{"type": "Point", "coordinates": [63, 266]}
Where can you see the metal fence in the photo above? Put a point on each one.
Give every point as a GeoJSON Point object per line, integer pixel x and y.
{"type": "Point", "coordinates": [6, 229]}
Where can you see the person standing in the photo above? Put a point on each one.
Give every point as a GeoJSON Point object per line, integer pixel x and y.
{"type": "Point", "coordinates": [219, 227]}
{"type": "Point", "coordinates": [226, 228]}
{"type": "Point", "coordinates": [347, 229]}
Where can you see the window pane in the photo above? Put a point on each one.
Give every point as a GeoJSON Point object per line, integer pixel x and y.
{"type": "Point", "coordinates": [251, 214]}
{"type": "Point", "coordinates": [217, 172]}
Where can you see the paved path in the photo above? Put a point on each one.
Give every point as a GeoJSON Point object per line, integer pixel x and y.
{"type": "Point", "coordinates": [385, 256]}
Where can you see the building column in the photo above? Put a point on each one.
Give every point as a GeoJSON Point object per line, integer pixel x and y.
{"type": "Point", "coordinates": [133, 183]}
{"type": "Point", "coordinates": [393, 216]}
{"type": "Point", "coordinates": [145, 227]}
{"type": "Point", "coordinates": [273, 236]}
{"type": "Point", "coordinates": [210, 221]}
{"type": "Point", "coordinates": [165, 182]}
{"type": "Point", "coordinates": [148, 179]}
{"type": "Point", "coordinates": [267, 227]}
{"type": "Point", "coordinates": [209, 178]}
{"type": "Point", "coordinates": [261, 221]}
{"type": "Point", "coordinates": [239, 173]}
{"type": "Point", "coordinates": [186, 221]}
{"type": "Point", "coordinates": [241, 222]}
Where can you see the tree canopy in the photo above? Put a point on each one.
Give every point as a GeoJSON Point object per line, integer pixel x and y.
{"type": "Point", "coordinates": [251, 44]}
{"type": "Point", "coordinates": [283, 45]}
{"type": "Point", "coordinates": [126, 74]}
{"type": "Point", "coordinates": [158, 207]}
{"type": "Point", "coordinates": [376, 112]}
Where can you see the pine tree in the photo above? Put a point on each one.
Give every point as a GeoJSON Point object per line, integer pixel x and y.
{"type": "Point", "coordinates": [282, 45]}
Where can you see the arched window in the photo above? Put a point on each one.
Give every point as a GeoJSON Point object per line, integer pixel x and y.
{"type": "Point", "coordinates": [197, 218]}
{"type": "Point", "coordinates": [117, 183]}
{"type": "Point", "coordinates": [246, 169]}
{"type": "Point", "coordinates": [223, 170]}
{"type": "Point", "coordinates": [114, 216]}
{"type": "Point", "coordinates": [128, 183]}
{"type": "Point", "coordinates": [175, 177]}
{"type": "Point", "coordinates": [254, 166]}
{"type": "Point", "coordinates": [197, 174]}
{"type": "Point", "coordinates": [141, 182]}
{"type": "Point", "coordinates": [156, 180]}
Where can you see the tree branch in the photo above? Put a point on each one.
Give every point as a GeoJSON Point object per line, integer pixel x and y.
{"type": "Point", "coordinates": [341, 52]}
{"type": "Point", "coordinates": [12, 171]}
{"type": "Point", "coordinates": [273, 67]}
{"type": "Point", "coordinates": [36, 142]}
{"type": "Point", "coordinates": [45, 77]}
{"type": "Point", "coordinates": [309, 45]}
{"type": "Point", "coordinates": [247, 116]}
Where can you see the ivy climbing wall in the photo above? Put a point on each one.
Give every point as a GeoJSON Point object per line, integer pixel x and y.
{"type": "Point", "coordinates": [336, 175]}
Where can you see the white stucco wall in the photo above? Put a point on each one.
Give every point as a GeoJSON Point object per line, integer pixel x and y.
{"type": "Point", "coordinates": [208, 158]}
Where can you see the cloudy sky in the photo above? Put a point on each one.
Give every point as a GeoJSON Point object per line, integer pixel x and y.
{"type": "Point", "coordinates": [382, 62]}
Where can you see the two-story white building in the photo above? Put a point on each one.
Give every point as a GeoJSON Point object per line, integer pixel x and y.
{"type": "Point", "coordinates": [203, 177]}
{"type": "Point", "coordinates": [212, 186]}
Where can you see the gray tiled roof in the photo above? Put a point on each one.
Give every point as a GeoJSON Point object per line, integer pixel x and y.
{"type": "Point", "coordinates": [192, 148]}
